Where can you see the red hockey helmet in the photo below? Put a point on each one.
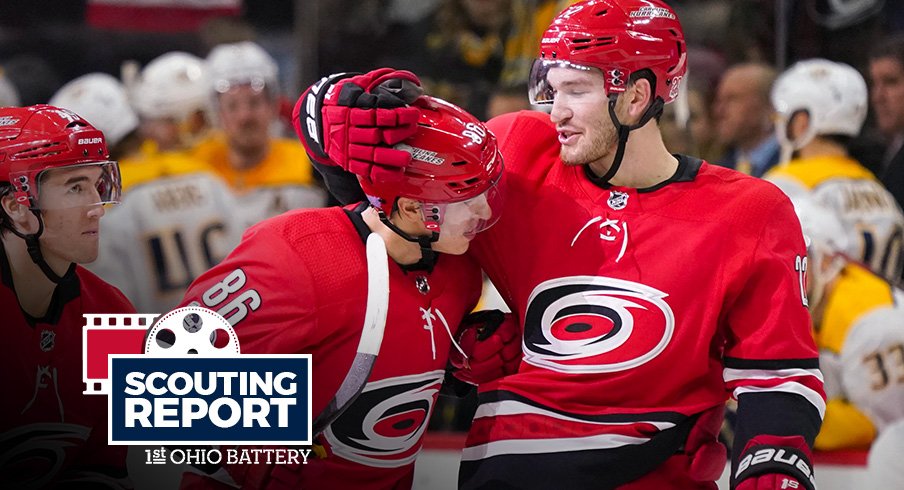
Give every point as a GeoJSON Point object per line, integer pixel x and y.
{"type": "Point", "coordinates": [618, 37]}
{"type": "Point", "coordinates": [454, 159]}
{"type": "Point", "coordinates": [43, 138]}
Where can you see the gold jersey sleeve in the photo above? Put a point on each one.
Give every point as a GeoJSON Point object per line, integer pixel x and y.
{"type": "Point", "coordinates": [861, 341]}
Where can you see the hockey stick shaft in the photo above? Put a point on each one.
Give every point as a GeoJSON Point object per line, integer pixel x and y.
{"type": "Point", "coordinates": [371, 335]}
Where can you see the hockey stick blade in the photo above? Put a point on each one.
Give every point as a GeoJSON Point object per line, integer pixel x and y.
{"type": "Point", "coordinates": [371, 336]}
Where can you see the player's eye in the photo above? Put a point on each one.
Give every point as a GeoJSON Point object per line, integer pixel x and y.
{"type": "Point", "coordinates": [75, 189]}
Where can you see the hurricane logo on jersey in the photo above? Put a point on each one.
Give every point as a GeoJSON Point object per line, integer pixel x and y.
{"type": "Point", "coordinates": [590, 324]}
{"type": "Point", "coordinates": [383, 427]}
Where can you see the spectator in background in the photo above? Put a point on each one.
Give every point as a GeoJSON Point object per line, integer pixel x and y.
{"type": "Point", "coordinates": [886, 69]}
{"type": "Point", "coordinates": [742, 113]}
{"type": "Point", "coordinates": [459, 50]}
{"type": "Point", "coordinates": [271, 175]}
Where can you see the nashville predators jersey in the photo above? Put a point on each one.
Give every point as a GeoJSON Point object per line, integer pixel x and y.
{"type": "Point", "coordinates": [166, 232]}
{"type": "Point", "coordinates": [865, 207]}
{"type": "Point", "coordinates": [861, 341]}
{"type": "Point", "coordinates": [283, 180]}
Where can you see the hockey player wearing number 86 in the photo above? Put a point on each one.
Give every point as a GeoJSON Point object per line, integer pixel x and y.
{"type": "Point", "coordinates": [648, 285]}
{"type": "Point", "coordinates": [55, 179]}
{"type": "Point", "coordinates": [297, 283]}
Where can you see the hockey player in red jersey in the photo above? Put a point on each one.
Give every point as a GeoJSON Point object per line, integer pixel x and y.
{"type": "Point", "coordinates": [297, 283]}
{"type": "Point", "coordinates": [55, 178]}
{"type": "Point", "coordinates": [650, 286]}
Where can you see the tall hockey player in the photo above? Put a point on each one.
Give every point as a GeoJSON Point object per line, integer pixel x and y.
{"type": "Point", "coordinates": [649, 284]}
{"type": "Point", "coordinates": [859, 322]}
{"type": "Point", "coordinates": [55, 178]}
{"type": "Point", "coordinates": [821, 105]}
{"type": "Point", "coordinates": [297, 283]}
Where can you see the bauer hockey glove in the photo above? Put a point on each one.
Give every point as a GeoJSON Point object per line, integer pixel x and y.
{"type": "Point", "coordinates": [491, 341]}
{"type": "Point", "coordinates": [773, 462]}
{"type": "Point", "coordinates": [352, 120]}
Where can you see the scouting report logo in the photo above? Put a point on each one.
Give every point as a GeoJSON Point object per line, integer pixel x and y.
{"type": "Point", "coordinates": [184, 381]}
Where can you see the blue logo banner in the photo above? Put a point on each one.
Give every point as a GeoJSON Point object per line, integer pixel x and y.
{"type": "Point", "coordinates": [249, 399]}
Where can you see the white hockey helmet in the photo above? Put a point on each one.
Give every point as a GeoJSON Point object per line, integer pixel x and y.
{"type": "Point", "coordinates": [828, 246]}
{"type": "Point", "coordinates": [243, 63]}
{"type": "Point", "coordinates": [101, 99]}
{"type": "Point", "coordinates": [173, 85]}
{"type": "Point", "coordinates": [833, 94]}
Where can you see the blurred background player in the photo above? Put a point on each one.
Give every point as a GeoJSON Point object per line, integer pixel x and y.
{"type": "Point", "coordinates": [858, 318]}
{"type": "Point", "coordinates": [270, 174]}
{"type": "Point", "coordinates": [171, 96]}
{"type": "Point", "coordinates": [743, 118]}
{"type": "Point", "coordinates": [177, 218]}
{"type": "Point", "coordinates": [55, 178]}
{"type": "Point", "coordinates": [296, 284]}
{"type": "Point", "coordinates": [821, 106]}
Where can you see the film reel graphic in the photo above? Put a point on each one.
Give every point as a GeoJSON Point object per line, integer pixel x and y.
{"type": "Point", "coordinates": [191, 330]}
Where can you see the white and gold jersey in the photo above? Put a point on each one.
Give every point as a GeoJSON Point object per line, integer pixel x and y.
{"type": "Point", "coordinates": [861, 341]}
{"type": "Point", "coordinates": [166, 232]}
{"type": "Point", "coordinates": [868, 211]}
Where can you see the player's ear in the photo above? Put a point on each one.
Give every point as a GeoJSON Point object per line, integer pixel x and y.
{"type": "Point", "coordinates": [19, 214]}
{"type": "Point", "coordinates": [798, 124]}
{"type": "Point", "coordinates": [409, 210]}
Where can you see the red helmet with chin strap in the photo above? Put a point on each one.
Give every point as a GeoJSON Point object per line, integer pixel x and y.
{"type": "Point", "coordinates": [454, 158]}
{"type": "Point", "coordinates": [619, 37]}
{"type": "Point", "coordinates": [39, 138]}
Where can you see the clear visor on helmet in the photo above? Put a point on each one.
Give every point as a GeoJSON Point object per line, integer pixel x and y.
{"type": "Point", "coordinates": [468, 217]}
{"type": "Point", "coordinates": [540, 90]}
{"type": "Point", "coordinates": [87, 184]}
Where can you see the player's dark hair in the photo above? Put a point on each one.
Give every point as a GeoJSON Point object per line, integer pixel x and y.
{"type": "Point", "coordinates": [648, 75]}
{"type": "Point", "coordinates": [890, 47]}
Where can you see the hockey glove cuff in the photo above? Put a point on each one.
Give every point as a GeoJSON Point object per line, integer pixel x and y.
{"type": "Point", "coordinates": [772, 462]}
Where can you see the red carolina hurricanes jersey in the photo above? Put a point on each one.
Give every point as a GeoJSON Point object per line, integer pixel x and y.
{"type": "Point", "coordinates": [52, 434]}
{"type": "Point", "coordinates": [641, 308]}
{"type": "Point", "coordinates": [307, 273]}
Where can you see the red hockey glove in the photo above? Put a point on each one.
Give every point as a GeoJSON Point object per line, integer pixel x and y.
{"type": "Point", "coordinates": [352, 120]}
{"type": "Point", "coordinates": [492, 342]}
{"type": "Point", "coordinates": [773, 462]}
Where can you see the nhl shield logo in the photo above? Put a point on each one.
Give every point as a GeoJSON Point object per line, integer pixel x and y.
{"type": "Point", "coordinates": [618, 200]}
{"type": "Point", "coordinates": [48, 340]}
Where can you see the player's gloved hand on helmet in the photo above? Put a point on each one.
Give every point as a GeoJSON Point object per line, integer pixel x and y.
{"type": "Point", "coordinates": [773, 462]}
{"type": "Point", "coordinates": [353, 120]}
{"type": "Point", "coordinates": [492, 342]}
